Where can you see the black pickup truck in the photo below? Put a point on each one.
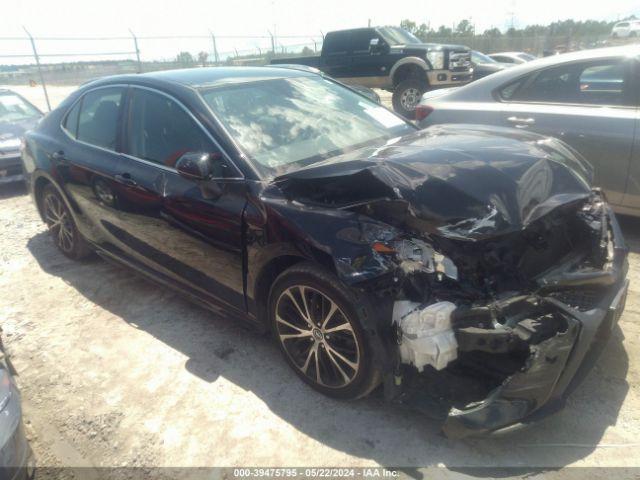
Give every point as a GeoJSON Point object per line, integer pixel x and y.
{"type": "Point", "coordinates": [390, 58]}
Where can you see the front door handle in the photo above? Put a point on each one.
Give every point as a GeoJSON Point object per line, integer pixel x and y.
{"type": "Point", "coordinates": [520, 122]}
{"type": "Point", "coordinates": [125, 179]}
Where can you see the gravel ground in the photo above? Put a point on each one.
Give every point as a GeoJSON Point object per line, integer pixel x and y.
{"type": "Point", "coordinates": [116, 371]}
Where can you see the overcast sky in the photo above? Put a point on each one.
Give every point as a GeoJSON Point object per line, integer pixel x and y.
{"type": "Point", "coordinates": [254, 17]}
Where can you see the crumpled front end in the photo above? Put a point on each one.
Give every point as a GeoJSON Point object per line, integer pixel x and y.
{"type": "Point", "coordinates": [527, 328]}
{"type": "Point", "coordinates": [495, 273]}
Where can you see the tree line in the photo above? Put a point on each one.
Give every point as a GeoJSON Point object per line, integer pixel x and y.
{"type": "Point", "coordinates": [559, 28]}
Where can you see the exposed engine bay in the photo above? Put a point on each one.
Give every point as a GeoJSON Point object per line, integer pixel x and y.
{"type": "Point", "coordinates": [496, 310]}
{"type": "Point", "coordinates": [501, 277]}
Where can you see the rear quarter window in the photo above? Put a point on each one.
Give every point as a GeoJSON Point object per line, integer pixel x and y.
{"type": "Point", "coordinates": [98, 118]}
{"type": "Point", "coordinates": [70, 123]}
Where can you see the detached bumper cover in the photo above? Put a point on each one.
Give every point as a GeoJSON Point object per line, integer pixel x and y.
{"type": "Point", "coordinates": [557, 365]}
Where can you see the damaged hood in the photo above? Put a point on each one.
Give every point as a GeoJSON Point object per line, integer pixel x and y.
{"type": "Point", "coordinates": [467, 181]}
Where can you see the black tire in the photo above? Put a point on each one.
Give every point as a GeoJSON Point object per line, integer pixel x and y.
{"type": "Point", "coordinates": [61, 225]}
{"type": "Point", "coordinates": [337, 346]}
{"type": "Point", "coordinates": [408, 91]}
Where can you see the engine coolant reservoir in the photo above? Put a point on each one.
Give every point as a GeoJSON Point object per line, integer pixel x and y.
{"type": "Point", "coordinates": [427, 337]}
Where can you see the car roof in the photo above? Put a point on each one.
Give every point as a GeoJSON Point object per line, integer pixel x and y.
{"type": "Point", "coordinates": [199, 77]}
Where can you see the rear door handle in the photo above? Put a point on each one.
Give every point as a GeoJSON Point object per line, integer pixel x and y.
{"type": "Point", "coordinates": [59, 156]}
{"type": "Point", "coordinates": [125, 179]}
{"type": "Point", "coordinates": [521, 122]}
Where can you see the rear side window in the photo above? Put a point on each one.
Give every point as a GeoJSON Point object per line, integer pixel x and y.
{"type": "Point", "coordinates": [98, 118]}
{"type": "Point", "coordinates": [336, 43]}
{"type": "Point", "coordinates": [160, 131]}
{"type": "Point", "coordinates": [593, 83]}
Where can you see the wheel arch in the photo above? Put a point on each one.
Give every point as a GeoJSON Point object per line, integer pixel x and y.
{"type": "Point", "coordinates": [409, 67]}
{"type": "Point", "coordinates": [271, 269]}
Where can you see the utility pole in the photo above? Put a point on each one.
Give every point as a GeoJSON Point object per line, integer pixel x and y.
{"type": "Point", "coordinates": [273, 42]}
{"type": "Point", "coordinates": [135, 44]}
{"type": "Point", "coordinates": [35, 55]}
{"type": "Point", "coordinates": [215, 47]}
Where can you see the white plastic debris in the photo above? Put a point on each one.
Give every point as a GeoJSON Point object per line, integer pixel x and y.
{"type": "Point", "coordinates": [426, 334]}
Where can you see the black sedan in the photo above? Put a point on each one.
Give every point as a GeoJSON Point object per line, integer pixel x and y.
{"type": "Point", "coordinates": [17, 115]}
{"type": "Point", "coordinates": [471, 268]}
{"type": "Point", "coordinates": [484, 65]}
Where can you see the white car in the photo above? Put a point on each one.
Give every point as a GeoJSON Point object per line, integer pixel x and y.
{"type": "Point", "coordinates": [630, 28]}
{"type": "Point", "coordinates": [513, 58]}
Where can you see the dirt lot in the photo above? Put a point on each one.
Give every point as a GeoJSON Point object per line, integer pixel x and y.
{"type": "Point", "coordinates": [116, 371]}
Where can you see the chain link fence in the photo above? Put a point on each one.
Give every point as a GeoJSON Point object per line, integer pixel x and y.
{"type": "Point", "coordinates": [59, 61]}
{"type": "Point", "coordinates": [32, 60]}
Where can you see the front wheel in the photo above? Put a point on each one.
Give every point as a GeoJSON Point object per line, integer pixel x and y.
{"type": "Point", "coordinates": [319, 332]}
{"type": "Point", "coordinates": [406, 97]}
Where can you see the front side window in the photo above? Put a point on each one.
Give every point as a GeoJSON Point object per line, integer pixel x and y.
{"type": "Point", "coordinates": [284, 123]}
{"type": "Point", "coordinates": [360, 40]}
{"type": "Point", "coordinates": [160, 131]}
{"type": "Point", "coordinates": [594, 83]}
{"type": "Point", "coordinates": [15, 109]}
{"type": "Point", "coordinates": [98, 117]}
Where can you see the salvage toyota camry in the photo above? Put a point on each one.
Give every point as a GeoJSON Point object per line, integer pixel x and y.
{"type": "Point", "coordinates": [471, 271]}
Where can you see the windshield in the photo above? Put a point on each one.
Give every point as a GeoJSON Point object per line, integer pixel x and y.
{"type": "Point", "coordinates": [285, 123]}
{"type": "Point", "coordinates": [15, 109]}
{"type": "Point", "coordinates": [397, 36]}
{"type": "Point", "coordinates": [527, 57]}
{"type": "Point", "coordinates": [477, 57]}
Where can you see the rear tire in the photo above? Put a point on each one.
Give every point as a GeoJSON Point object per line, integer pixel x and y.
{"type": "Point", "coordinates": [406, 97]}
{"type": "Point", "coordinates": [61, 225]}
{"type": "Point", "coordinates": [318, 330]}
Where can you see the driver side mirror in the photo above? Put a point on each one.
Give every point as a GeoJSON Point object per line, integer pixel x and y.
{"type": "Point", "coordinates": [196, 166]}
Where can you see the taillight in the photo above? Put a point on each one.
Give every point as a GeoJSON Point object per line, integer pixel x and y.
{"type": "Point", "coordinates": [423, 111]}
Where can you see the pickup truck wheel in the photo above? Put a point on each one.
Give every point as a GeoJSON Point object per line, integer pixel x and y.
{"type": "Point", "coordinates": [314, 322]}
{"type": "Point", "coordinates": [406, 97]}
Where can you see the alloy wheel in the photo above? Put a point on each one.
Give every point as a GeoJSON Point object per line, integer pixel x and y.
{"type": "Point", "coordinates": [59, 222]}
{"type": "Point", "coordinates": [317, 336]}
{"type": "Point", "coordinates": [410, 98]}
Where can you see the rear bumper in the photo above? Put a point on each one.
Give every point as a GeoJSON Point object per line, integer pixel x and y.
{"type": "Point", "coordinates": [556, 367]}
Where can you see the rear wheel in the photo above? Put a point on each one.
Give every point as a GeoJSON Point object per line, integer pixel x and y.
{"type": "Point", "coordinates": [61, 225]}
{"type": "Point", "coordinates": [319, 332]}
{"type": "Point", "coordinates": [406, 97]}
